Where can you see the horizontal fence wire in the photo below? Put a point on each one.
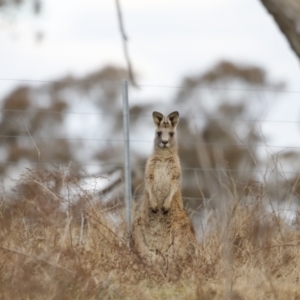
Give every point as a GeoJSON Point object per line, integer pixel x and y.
{"type": "Point", "coordinates": [117, 83]}
{"type": "Point", "coordinates": [120, 166]}
{"type": "Point", "coordinates": [144, 115]}
{"type": "Point", "coordinates": [219, 145]}
{"type": "Point", "coordinates": [245, 145]}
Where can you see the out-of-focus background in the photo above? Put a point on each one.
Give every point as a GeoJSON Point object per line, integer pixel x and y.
{"type": "Point", "coordinates": [231, 68]}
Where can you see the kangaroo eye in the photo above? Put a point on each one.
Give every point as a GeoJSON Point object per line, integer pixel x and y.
{"type": "Point", "coordinates": [171, 134]}
{"type": "Point", "coordinates": [159, 133]}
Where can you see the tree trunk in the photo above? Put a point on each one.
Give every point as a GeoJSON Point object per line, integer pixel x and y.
{"type": "Point", "coordinates": [286, 14]}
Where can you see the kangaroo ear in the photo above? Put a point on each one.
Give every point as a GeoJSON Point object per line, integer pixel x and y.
{"type": "Point", "coordinates": [174, 118]}
{"type": "Point", "coordinates": [157, 118]}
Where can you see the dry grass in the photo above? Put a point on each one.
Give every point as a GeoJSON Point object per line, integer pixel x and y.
{"type": "Point", "coordinates": [82, 253]}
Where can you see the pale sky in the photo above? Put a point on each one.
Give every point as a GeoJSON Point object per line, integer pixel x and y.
{"type": "Point", "coordinates": [167, 39]}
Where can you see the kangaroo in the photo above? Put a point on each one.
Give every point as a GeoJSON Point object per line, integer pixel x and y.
{"type": "Point", "coordinates": [161, 229]}
{"type": "Point", "coordinates": [163, 171]}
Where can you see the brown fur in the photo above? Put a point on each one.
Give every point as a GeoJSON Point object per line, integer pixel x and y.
{"type": "Point", "coordinates": [162, 231]}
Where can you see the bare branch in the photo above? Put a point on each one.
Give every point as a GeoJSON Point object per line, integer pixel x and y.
{"type": "Point", "coordinates": [45, 188]}
{"type": "Point", "coordinates": [36, 147]}
{"type": "Point", "coordinates": [125, 40]}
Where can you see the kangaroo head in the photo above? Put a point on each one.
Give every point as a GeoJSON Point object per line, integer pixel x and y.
{"type": "Point", "coordinates": [165, 136]}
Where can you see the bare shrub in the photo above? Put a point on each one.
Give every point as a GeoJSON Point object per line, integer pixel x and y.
{"type": "Point", "coordinates": [64, 245]}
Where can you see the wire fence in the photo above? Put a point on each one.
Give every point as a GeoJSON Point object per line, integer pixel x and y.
{"type": "Point", "coordinates": [7, 138]}
{"type": "Point", "coordinates": [23, 112]}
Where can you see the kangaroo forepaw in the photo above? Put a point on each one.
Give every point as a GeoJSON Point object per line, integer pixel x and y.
{"type": "Point", "coordinates": [154, 209]}
{"type": "Point", "coordinates": [165, 209]}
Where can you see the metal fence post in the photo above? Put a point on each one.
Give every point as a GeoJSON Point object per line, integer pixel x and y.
{"type": "Point", "coordinates": [127, 166]}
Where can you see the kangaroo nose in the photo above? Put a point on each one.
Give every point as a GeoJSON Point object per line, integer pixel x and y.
{"type": "Point", "coordinates": [165, 142]}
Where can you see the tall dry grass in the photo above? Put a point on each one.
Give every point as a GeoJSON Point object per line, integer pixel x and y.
{"type": "Point", "coordinates": [57, 242]}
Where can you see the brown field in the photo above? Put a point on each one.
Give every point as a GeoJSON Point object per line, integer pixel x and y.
{"type": "Point", "coordinates": [82, 253]}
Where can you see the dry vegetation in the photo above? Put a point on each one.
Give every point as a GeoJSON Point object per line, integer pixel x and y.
{"type": "Point", "coordinates": [56, 242]}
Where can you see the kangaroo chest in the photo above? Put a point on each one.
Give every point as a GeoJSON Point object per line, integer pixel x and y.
{"type": "Point", "coordinates": [164, 172]}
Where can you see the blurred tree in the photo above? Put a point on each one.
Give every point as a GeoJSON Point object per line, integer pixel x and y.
{"type": "Point", "coordinates": [216, 145]}
{"type": "Point", "coordinates": [216, 103]}
{"type": "Point", "coordinates": [34, 126]}
{"type": "Point", "coordinates": [16, 4]}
